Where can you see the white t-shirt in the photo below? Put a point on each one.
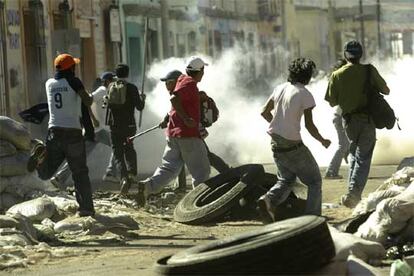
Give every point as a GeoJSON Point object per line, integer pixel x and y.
{"type": "Point", "coordinates": [290, 101]}
{"type": "Point", "coordinates": [97, 109]}
{"type": "Point", "coordinates": [64, 104]}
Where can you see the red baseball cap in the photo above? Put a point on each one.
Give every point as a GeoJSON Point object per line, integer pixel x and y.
{"type": "Point", "coordinates": [65, 61]}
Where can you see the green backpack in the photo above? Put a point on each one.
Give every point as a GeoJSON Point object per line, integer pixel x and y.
{"type": "Point", "coordinates": [116, 96]}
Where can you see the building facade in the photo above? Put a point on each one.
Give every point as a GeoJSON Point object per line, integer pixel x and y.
{"type": "Point", "coordinates": [105, 32]}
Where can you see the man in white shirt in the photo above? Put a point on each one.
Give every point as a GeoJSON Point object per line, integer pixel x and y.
{"type": "Point", "coordinates": [101, 134]}
{"type": "Point", "coordinates": [293, 159]}
{"type": "Point", "coordinates": [65, 93]}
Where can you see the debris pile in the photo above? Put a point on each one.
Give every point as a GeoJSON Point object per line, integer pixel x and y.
{"type": "Point", "coordinates": [16, 184]}
{"type": "Point", "coordinates": [34, 215]}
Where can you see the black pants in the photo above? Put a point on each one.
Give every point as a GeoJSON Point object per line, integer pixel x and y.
{"type": "Point", "coordinates": [65, 143]}
{"type": "Point", "coordinates": [124, 153]}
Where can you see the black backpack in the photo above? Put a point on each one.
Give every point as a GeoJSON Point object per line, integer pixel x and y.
{"type": "Point", "coordinates": [379, 109]}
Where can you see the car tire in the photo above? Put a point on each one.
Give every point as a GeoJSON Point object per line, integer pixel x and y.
{"type": "Point", "coordinates": [294, 246]}
{"type": "Point", "coordinates": [212, 199]}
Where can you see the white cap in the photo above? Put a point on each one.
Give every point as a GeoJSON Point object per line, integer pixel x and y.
{"type": "Point", "coordinates": [196, 64]}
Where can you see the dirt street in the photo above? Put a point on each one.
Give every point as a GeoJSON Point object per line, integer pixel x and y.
{"type": "Point", "coordinates": [160, 236]}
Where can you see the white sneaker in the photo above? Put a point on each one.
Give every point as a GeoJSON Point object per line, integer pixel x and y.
{"type": "Point", "coordinates": [55, 182]}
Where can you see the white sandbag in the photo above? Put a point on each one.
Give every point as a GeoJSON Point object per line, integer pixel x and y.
{"type": "Point", "coordinates": [8, 222]}
{"type": "Point", "coordinates": [14, 132]}
{"type": "Point", "coordinates": [14, 240]}
{"type": "Point", "coordinates": [24, 184]}
{"type": "Point", "coordinates": [346, 244]}
{"type": "Point", "coordinates": [369, 203]}
{"type": "Point", "coordinates": [15, 164]}
{"type": "Point", "coordinates": [402, 177]}
{"type": "Point", "coordinates": [48, 222]}
{"type": "Point", "coordinates": [357, 267]}
{"type": "Point", "coordinates": [36, 209]}
{"type": "Point", "coordinates": [65, 203]}
{"type": "Point", "coordinates": [121, 220]}
{"type": "Point", "coordinates": [390, 217]}
{"type": "Point", "coordinates": [8, 200]}
{"type": "Point", "coordinates": [45, 233]}
{"type": "Point", "coordinates": [74, 224]}
{"type": "Point", "coordinates": [407, 234]}
{"type": "Point", "coordinates": [7, 148]}
{"type": "Point", "coordinates": [26, 226]}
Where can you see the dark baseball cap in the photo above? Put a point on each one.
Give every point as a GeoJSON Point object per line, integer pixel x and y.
{"type": "Point", "coordinates": [173, 75]}
{"type": "Point", "coordinates": [353, 49]}
{"type": "Point", "coordinates": [107, 75]}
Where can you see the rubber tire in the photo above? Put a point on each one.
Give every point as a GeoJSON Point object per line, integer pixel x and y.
{"type": "Point", "coordinates": [212, 199]}
{"type": "Point", "coordinates": [293, 246]}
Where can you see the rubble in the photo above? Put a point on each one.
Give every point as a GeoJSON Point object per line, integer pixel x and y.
{"type": "Point", "coordinates": [391, 216]}
{"type": "Point", "coordinates": [36, 212]}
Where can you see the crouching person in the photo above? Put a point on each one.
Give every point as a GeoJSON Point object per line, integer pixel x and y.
{"type": "Point", "coordinates": [184, 144]}
{"type": "Point", "coordinates": [293, 159]}
{"type": "Point", "coordinates": [65, 94]}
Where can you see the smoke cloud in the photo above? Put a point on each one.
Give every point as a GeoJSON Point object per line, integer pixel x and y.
{"type": "Point", "coordinates": [239, 136]}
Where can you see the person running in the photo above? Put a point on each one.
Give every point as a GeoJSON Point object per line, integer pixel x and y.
{"type": "Point", "coordinates": [65, 93]}
{"type": "Point", "coordinates": [184, 144]}
{"type": "Point", "coordinates": [341, 153]}
{"type": "Point", "coordinates": [100, 133]}
{"type": "Point", "coordinates": [346, 89]}
{"type": "Point", "coordinates": [290, 101]}
{"type": "Point", "coordinates": [215, 161]}
{"type": "Point", "coordinates": [123, 99]}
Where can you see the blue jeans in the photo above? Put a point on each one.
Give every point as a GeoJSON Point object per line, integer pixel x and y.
{"type": "Point", "coordinates": [360, 130]}
{"type": "Point", "coordinates": [343, 147]}
{"type": "Point", "coordinates": [191, 152]}
{"type": "Point", "coordinates": [297, 163]}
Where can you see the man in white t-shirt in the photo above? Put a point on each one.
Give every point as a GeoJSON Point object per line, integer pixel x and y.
{"type": "Point", "coordinates": [101, 134]}
{"type": "Point", "coordinates": [293, 159]}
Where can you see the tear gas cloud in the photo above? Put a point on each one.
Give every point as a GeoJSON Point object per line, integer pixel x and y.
{"type": "Point", "coordinates": [239, 136]}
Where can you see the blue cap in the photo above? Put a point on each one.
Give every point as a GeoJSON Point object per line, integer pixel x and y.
{"type": "Point", "coordinates": [173, 75]}
{"type": "Point", "coordinates": [107, 75]}
{"type": "Point", "coordinates": [353, 49]}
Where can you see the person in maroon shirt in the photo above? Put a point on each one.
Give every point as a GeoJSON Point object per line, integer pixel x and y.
{"type": "Point", "coordinates": [184, 144]}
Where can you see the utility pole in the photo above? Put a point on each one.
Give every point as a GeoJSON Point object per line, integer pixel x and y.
{"type": "Point", "coordinates": [164, 28]}
{"type": "Point", "coordinates": [361, 20]}
{"type": "Point", "coordinates": [379, 25]}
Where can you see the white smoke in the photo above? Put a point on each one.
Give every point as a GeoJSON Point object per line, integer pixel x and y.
{"type": "Point", "coordinates": [239, 136]}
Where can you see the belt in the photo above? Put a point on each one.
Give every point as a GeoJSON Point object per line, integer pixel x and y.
{"type": "Point", "coordinates": [292, 148]}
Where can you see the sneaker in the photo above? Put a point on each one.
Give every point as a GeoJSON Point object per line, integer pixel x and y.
{"type": "Point", "coordinates": [37, 156]}
{"type": "Point", "coordinates": [56, 182]}
{"type": "Point", "coordinates": [350, 200]}
{"type": "Point", "coordinates": [111, 178]}
{"type": "Point", "coordinates": [125, 185]}
{"type": "Point", "coordinates": [329, 176]}
{"type": "Point", "coordinates": [142, 193]}
{"type": "Point", "coordinates": [265, 209]}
